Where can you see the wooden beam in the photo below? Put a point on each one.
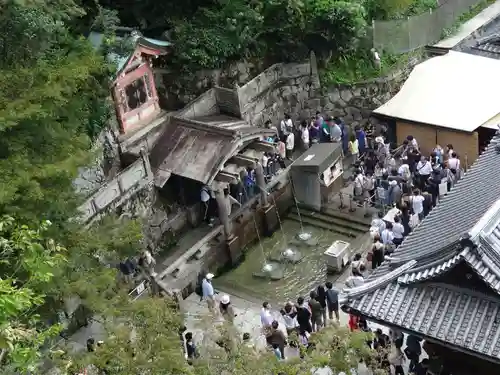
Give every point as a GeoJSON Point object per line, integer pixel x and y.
{"type": "Point", "coordinates": [224, 176]}
{"type": "Point", "coordinates": [242, 160]}
{"type": "Point", "coordinates": [252, 154]}
{"type": "Point", "coordinates": [262, 146]}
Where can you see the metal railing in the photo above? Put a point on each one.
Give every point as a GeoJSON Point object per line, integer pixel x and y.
{"type": "Point", "coordinates": [404, 35]}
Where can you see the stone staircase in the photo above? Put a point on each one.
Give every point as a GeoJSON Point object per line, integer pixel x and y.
{"type": "Point", "coordinates": [345, 224]}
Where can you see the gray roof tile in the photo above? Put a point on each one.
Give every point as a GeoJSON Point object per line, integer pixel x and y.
{"type": "Point", "coordinates": [460, 317]}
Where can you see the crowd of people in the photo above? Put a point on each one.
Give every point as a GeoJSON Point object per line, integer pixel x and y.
{"type": "Point", "coordinates": [405, 180]}
{"type": "Point", "coordinates": [307, 316]}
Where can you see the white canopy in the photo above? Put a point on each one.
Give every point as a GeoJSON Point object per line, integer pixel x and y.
{"type": "Point", "coordinates": [457, 91]}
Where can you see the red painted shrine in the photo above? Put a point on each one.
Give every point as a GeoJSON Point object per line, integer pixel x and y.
{"type": "Point", "coordinates": [133, 89]}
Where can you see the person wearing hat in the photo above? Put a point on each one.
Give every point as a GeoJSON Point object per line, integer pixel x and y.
{"type": "Point", "coordinates": [226, 309]}
{"type": "Point", "coordinates": [208, 291]}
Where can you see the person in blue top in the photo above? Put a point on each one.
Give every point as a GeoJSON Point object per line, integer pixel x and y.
{"type": "Point", "coordinates": [345, 135]}
{"type": "Point", "coordinates": [361, 137]}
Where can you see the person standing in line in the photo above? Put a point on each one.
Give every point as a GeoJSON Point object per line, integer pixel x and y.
{"type": "Point", "coordinates": [289, 314]}
{"type": "Point", "coordinates": [304, 129]}
{"type": "Point", "coordinates": [303, 315]}
{"type": "Point", "coordinates": [286, 126]}
{"type": "Point", "coordinates": [276, 338]}
{"type": "Point", "coordinates": [387, 238]}
{"type": "Point", "coordinates": [354, 149]}
{"type": "Point", "coordinates": [332, 300]}
{"type": "Point", "coordinates": [454, 164]}
{"type": "Point", "coordinates": [397, 358]}
{"type": "Point", "coordinates": [314, 131]}
{"type": "Point", "coordinates": [361, 137]}
{"type": "Point", "coordinates": [417, 204]}
{"type": "Point", "coordinates": [377, 252]}
{"type": "Point", "coordinates": [335, 131]}
{"type": "Point", "coordinates": [321, 298]}
{"type": "Point", "coordinates": [208, 292]}
{"type": "Point", "coordinates": [316, 313]}
{"type": "Point", "coordinates": [424, 170]}
{"type": "Point", "coordinates": [398, 231]}
{"type": "Point", "coordinates": [192, 351]}
{"type": "Point", "coordinates": [207, 204]}
{"type": "Point", "coordinates": [412, 142]}
{"type": "Point", "coordinates": [290, 145]}
{"type": "Point", "coordinates": [265, 316]}
{"type": "Point", "coordinates": [226, 309]}
{"type": "Point", "coordinates": [449, 150]}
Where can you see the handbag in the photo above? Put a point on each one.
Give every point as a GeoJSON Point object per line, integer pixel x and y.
{"type": "Point", "coordinates": [369, 256]}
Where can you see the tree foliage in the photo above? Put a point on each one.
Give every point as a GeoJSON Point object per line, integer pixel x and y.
{"type": "Point", "coordinates": [30, 261]}
{"type": "Point", "coordinates": [51, 86]}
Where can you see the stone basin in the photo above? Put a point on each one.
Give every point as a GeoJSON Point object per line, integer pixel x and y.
{"type": "Point", "coordinates": [271, 271]}
{"type": "Point", "coordinates": [289, 255]}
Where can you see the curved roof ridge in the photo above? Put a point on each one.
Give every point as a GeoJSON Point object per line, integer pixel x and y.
{"type": "Point", "coordinates": [350, 293]}
{"type": "Point", "coordinates": [430, 271]}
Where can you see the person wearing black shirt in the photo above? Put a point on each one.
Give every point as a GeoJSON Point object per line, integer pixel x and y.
{"type": "Point", "coordinates": [303, 316]}
{"type": "Point", "coordinates": [191, 350]}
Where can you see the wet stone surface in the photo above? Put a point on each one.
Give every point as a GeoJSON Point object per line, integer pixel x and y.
{"type": "Point", "coordinates": [299, 275]}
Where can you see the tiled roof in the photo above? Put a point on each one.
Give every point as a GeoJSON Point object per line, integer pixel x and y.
{"type": "Point", "coordinates": [489, 45]}
{"type": "Point", "coordinates": [454, 216]}
{"type": "Point", "coordinates": [460, 317]}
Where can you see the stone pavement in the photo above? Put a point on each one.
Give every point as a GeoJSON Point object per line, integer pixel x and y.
{"type": "Point", "coordinates": [198, 320]}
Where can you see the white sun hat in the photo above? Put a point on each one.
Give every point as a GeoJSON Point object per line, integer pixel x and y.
{"type": "Point", "coordinates": [225, 299]}
{"type": "Point", "coordinates": [209, 276]}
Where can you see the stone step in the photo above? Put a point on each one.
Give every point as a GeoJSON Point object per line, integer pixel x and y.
{"type": "Point", "coordinates": [335, 220]}
{"type": "Point", "coordinates": [202, 251]}
{"type": "Point", "coordinates": [351, 216]}
{"type": "Point", "coordinates": [324, 225]}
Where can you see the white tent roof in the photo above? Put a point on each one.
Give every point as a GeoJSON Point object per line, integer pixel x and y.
{"type": "Point", "coordinates": [457, 91]}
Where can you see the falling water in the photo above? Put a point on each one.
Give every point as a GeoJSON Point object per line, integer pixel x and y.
{"type": "Point", "coordinates": [303, 235]}
{"type": "Point", "coordinates": [277, 214]}
{"type": "Point", "coordinates": [267, 267]}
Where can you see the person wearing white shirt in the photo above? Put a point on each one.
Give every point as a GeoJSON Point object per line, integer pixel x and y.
{"type": "Point", "coordinates": [359, 182]}
{"type": "Point", "coordinates": [454, 163]}
{"type": "Point", "coordinates": [265, 161]}
{"type": "Point", "coordinates": [378, 223]}
{"type": "Point", "coordinates": [398, 231]}
{"type": "Point", "coordinates": [286, 125]}
{"type": "Point", "coordinates": [412, 142]}
{"type": "Point", "coordinates": [305, 136]}
{"type": "Point", "coordinates": [266, 318]}
{"type": "Point", "coordinates": [417, 204]}
{"type": "Point", "coordinates": [208, 291]}
{"type": "Point", "coordinates": [387, 236]}
{"type": "Point", "coordinates": [449, 150]}
{"type": "Point", "coordinates": [424, 170]}
{"type": "Point", "coordinates": [404, 170]}
{"type": "Point", "coordinates": [290, 145]}
{"type": "Point", "coordinates": [355, 280]}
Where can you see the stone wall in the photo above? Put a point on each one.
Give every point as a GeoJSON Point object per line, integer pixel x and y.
{"type": "Point", "coordinates": [354, 103]}
{"type": "Point", "coordinates": [282, 88]}
{"type": "Point", "coordinates": [175, 92]}
{"type": "Point", "coordinates": [117, 192]}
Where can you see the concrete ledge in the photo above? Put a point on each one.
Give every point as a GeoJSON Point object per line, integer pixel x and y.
{"type": "Point", "coordinates": [469, 28]}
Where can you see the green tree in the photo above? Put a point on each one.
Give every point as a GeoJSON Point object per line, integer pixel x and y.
{"type": "Point", "coordinates": [143, 337]}
{"type": "Point", "coordinates": [50, 86]}
{"type": "Point", "coordinates": [30, 262]}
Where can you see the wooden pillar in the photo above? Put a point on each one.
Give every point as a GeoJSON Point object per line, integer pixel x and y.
{"type": "Point", "coordinates": [261, 184]}
{"type": "Point", "coordinates": [224, 214]}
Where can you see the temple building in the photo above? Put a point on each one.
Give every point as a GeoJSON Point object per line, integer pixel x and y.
{"type": "Point", "coordinates": [443, 283]}
{"type": "Point", "coordinates": [205, 144]}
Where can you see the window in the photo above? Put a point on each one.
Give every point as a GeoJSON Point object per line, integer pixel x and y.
{"type": "Point", "coordinates": [136, 94]}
